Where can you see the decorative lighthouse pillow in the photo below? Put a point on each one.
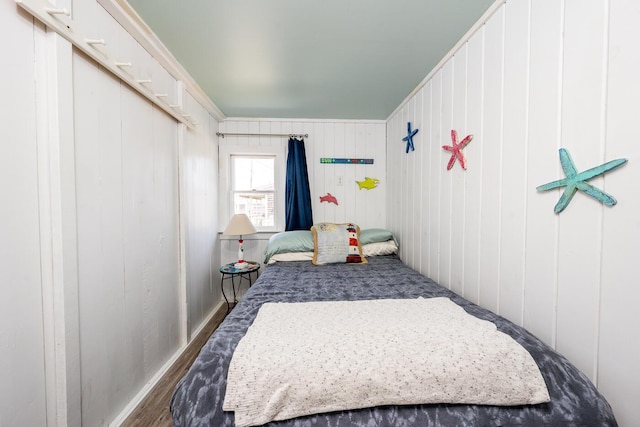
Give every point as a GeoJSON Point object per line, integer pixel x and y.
{"type": "Point", "coordinates": [334, 243]}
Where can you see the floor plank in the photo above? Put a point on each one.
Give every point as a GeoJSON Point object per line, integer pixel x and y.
{"type": "Point", "coordinates": [154, 409]}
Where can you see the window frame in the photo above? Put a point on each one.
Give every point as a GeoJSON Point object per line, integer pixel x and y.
{"type": "Point", "coordinates": [226, 189]}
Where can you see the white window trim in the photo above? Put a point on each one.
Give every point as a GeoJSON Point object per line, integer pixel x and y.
{"type": "Point", "coordinates": [224, 159]}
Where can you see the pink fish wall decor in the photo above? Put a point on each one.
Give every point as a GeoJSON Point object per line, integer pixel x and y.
{"type": "Point", "coordinates": [329, 198]}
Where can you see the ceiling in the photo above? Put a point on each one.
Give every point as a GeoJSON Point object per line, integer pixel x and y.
{"type": "Point", "coordinates": [322, 59]}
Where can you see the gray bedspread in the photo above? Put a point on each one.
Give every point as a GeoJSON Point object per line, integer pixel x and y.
{"type": "Point", "coordinates": [198, 398]}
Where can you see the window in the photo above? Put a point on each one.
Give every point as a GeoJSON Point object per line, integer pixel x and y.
{"type": "Point", "coordinates": [252, 181]}
{"type": "Point", "coordinates": [253, 188]}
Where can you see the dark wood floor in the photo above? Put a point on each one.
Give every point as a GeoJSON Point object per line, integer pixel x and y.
{"type": "Point", "coordinates": [153, 411]}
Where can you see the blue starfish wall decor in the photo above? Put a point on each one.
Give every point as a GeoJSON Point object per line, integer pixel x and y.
{"type": "Point", "coordinates": [409, 137]}
{"type": "Point", "coordinates": [575, 181]}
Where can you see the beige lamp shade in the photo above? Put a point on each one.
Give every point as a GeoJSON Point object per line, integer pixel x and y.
{"type": "Point", "coordinates": [240, 225]}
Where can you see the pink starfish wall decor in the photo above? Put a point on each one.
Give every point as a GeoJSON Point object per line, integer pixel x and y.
{"type": "Point", "coordinates": [456, 149]}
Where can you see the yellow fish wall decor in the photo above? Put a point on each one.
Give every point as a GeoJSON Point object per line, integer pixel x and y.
{"type": "Point", "coordinates": [368, 183]}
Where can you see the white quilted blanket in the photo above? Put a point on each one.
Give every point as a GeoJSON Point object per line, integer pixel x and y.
{"type": "Point", "coordinates": [305, 358]}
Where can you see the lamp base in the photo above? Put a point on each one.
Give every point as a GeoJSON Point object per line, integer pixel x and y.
{"type": "Point", "coordinates": [241, 265]}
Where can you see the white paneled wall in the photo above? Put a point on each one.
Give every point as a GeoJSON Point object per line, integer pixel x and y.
{"type": "Point", "coordinates": [199, 214]}
{"type": "Point", "coordinates": [109, 229]}
{"type": "Point", "coordinates": [340, 139]}
{"type": "Point", "coordinates": [22, 359]}
{"type": "Point", "coordinates": [536, 76]}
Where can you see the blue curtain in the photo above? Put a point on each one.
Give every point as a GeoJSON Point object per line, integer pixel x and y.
{"type": "Point", "coordinates": [297, 194]}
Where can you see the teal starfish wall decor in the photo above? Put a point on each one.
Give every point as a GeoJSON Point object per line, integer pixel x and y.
{"type": "Point", "coordinates": [575, 181]}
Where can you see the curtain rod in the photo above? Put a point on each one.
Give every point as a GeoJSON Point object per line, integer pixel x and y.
{"type": "Point", "coordinates": [290, 135]}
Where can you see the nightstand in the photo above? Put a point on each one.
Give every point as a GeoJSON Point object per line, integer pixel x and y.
{"type": "Point", "coordinates": [237, 275]}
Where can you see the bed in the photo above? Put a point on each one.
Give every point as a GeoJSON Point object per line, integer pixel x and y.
{"type": "Point", "coordinates": [199, 397]}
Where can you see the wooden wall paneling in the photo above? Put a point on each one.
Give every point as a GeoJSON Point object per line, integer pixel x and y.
{"type": "Point", "coordinates": [188, 212]}
{"type": "Point", "coordinates": [360, 150]}
{"type": "Point", "coordinates": [378, 151]}
{"type": "Point", "coordinates": [313, 164]}
{"type": "Point", "coordinates": [419, 183]}
{"type": "Point", "coordinates": [317, 179]}
{"type": "Point", "coordinates": [93, 262]}
{"type": "Point", "coordinates": [241, 127]}
{"type": "Point", "coordinates": [416, 183]}
{"type": "Point", "coordinates": [514, 165]}
{"type": "Point", "coordinates": [582, 130]}
{"type": "Point", "coordinates": [201, 175]}
{"type": "Point", "coordinates": [459, 175]}
{"type": "Point", "coordinates": [164, 324]}
{"type": "Point", "coordinates": [411, 184]}
{"type": "Point", "coordinates": [404, 183]}
{"type": "Point", "coordinates": [86, 12]}
{"type": "Point", "coordinates": [554, 75]}
{"type": "Point", "coordinates": [183, 227]}
{"type": "Point", "coordinates": [473, 175]}
{"type": "Point", "coordinates": [326, 148]}
{"type": "Point", "coordinates": [128, 50]}
{"type": "Point", "coordinates": [371, 145]}
{"type": "Point", "coordinates": [394, 179]}
{"type": "Point", "coordinates": [162, 83]}
{"type": "Point", "coordinates": [109, 335]}
{"type": "Point", "coordinates": [139, 238]}
{"type": "Point", "coordinates": [398, 153]}
{"type": "Point", "coordinates": [489, 275]}
{"type": "Point", "coordinates": [359, 199]}
{"type": "Point", "coordinates": [618, 378]}
{"type": "Point", "coordinates": [346, 192]}
{"type": "Point", "coordinates": [350, 173]}
{"type": "Point", "coordinates": [22, 332]}
{"type": "Point", "coordinates": [427, 165]}
{"type": "Point", "coordinates": [438, 132]}
{"type": "Point", "coordinates": [254, 127]}
{"type": "Point", "coordinates": [541, 246]}
{"type": "Point", "coordinates": [58, 225]}
{"type": "Point", "coordinates": [375, 149]}
{"type": "Point", "coordinates": [264, 127]}
{"type": "Point", "coordinates": [407, 187]}
{"type": "Point", "coordinates": [391, 176]}
{"type": "Point", "coordinates": [446, 183]}
{"type": "Point", "coordinates": [350, 176]}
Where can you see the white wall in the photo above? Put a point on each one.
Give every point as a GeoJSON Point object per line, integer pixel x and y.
{"type": "Point", "coordinates": [22, 388]}
{"type": "Point", "coordinates": [327, 138]}
{"type": "Point", "coordinates": [109, 226]}
{"type": "Point", "coordinates": [537, 76]}
{"type": "Point", "coordinates": [200, 215]}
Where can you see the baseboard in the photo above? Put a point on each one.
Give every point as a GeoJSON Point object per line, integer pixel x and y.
{"type": "Point", "coordinates": [142, 394]}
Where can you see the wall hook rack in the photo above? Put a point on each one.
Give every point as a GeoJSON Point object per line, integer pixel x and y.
{"type": "Point", "coordinates": [59, 20]}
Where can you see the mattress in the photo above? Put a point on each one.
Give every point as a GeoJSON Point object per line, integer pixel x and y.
{"type": "Point", "coordinates": [199, 396]}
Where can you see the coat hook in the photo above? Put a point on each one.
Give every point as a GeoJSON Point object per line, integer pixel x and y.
{"type": "Point", "coordinates": [95, 41]}
{"type": "Point", "coordinates": [143, 81]}
{"type": "Point", "coordinates": [52, 11]}
{"type": "Point", "coordinates": [122, 64]}
{"type": "Point", "coordinates": [161, 95]}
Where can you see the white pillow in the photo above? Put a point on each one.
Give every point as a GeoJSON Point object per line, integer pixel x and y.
{"type": "Point", "coordinates": [380, 248]}
{"type": "Point", "coordinates": [291, 256]}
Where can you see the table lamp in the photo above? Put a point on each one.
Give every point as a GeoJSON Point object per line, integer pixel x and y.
{"type": "Point", "coordinates": [240, 225]}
